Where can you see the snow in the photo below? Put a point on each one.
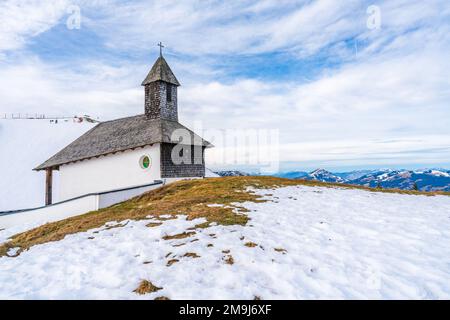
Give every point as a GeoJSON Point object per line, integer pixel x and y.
{"type": "Point", "coordinates": [331, 243]}
{"type": "Point", "coordinates": [440, 173]}
{"type": "Point", "coordinates": [210, 174]}
{"type": "Point", "coordinates": [6, 233]}
{"type": "Point", "coordinates": [24, 144]}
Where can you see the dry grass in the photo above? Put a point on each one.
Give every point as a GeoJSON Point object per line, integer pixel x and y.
{"type": "Point", "coordinates": [178, 245]}
{"type": "Point", "coordinates": [153, 224]}
{"type": "Point", "coordinates": [229, 259]}
{"type": "Point", "coordinates": [189, 198]}
{"type": "Point", "coordinates": [179, 235]}
{"type": "Point", "coordinates": [161, 298]}
{"type": "Point", "coordinates": [172, 261]}
{"type": "Point", "coordinates": [118, 225]}
{"type": "Point", "coordinates": [200, 226]}
{"type": "Point", "coordinates": [283, 251]}
{"type": "Point", "coordinates": [146, 287]}
{"type": "Point", "coordinates": [250, 244]}
{"type": "Point", "coordinates": [191, 255]}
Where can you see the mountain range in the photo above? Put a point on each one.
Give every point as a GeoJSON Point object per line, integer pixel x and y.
{"type": "Point", "coordinates": [423, 180]}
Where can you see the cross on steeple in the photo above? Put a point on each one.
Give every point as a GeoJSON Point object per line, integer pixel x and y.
{"type": "Point", "coordinates": [160, 45]}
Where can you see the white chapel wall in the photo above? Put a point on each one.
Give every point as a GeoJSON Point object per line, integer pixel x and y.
{"type": "Point", "coordinates": [116, 171]}
{"type": "Point", "coordinates": [40, 216]}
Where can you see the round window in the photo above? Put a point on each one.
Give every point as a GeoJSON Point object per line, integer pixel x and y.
{"type": "Point", "coordinates": [145, 162]}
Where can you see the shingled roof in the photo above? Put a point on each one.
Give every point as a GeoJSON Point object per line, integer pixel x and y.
{"type": "Point", "coordinates": [161, 72]}
{"type": "Point", "coordinates": [119, 135]}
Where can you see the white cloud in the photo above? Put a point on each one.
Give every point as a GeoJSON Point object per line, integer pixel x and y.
{"type": "Point", "coordinates": [218, 27]}
{"type": "Point", "coordinates": [396, 88]}
{"type": "Point", "coordinates": [23, 19]}
{"type": "Point", "coordinates": [346, 115]}
{"type": "Point", "coordinates": [99, 90]}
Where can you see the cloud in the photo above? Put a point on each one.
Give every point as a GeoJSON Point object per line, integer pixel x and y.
{"type": "Point", "coordinates": [342, 116]}
{"type": "Point", "coordinates": [354, 87]}
{"type": "Point", "coordinates": [24, 19]}
{"type": "Point", "coordinates": [99, 90]}
{"type": "Point", "coordinates": [216, 27]}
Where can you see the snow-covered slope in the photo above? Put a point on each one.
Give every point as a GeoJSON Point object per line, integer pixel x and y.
{"type": "Point", "coordinates": [210, 174]}
{"type": "Point", "coordinates": [352, 175]}
{"type": "Point", "coordinates": [24, 144]}
{"type": "Point", "coordinates": [308, 242]}
{"type": "Point", "coordinates": [231, 173]}
{"type": "Point", "coordinates": [324, 176]}
{"type": "Point", "coordinates": [425, 180]}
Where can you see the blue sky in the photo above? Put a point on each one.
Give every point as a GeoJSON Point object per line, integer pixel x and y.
{"type": "Point", "coordinates": [342, 95]}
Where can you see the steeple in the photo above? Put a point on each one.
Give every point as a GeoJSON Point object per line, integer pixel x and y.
{"type": "Point", "coordinates": [161, 91]}
{"type": "Point", "coordinates": [161, 72]}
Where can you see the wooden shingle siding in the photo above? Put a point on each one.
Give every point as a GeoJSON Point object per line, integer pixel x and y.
{"type": "Point", "coordinates": [196, 167]}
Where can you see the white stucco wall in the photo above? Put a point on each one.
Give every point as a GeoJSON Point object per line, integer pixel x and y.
{"type": "Point", "coordinates": [120, 170]}
{"type": "Point", "coordinates": [34, 217]}
{"type": "Point", "coordinates": [48, 214]}
{"type": "Point", "coordinates": [111, 198]}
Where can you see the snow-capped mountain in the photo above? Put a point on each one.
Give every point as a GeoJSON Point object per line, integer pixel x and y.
{"type": "Point", "coordinates": [210, 174]}
{"type": "Point", "coordinates": [324, 176]}
{"type": "Point", "coordinates": [231, 173]}
{"type": "Point", "coordinates": [424, 179]}
{"type": "Point", "coordinates": [352, 174]}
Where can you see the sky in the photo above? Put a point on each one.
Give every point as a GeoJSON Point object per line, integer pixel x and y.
{"type": "Point", "coordinates": [343, 85]}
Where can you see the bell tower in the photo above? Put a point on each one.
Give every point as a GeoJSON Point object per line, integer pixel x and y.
{"type": "Point", "coordinates": [161, 91]}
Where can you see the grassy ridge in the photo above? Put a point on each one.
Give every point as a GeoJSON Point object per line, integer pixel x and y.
{"type": "Point", "coordinates": [190, 198]}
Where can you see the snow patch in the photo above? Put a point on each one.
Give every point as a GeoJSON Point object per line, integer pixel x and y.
{"type": "Point", "coordinates": [308, 243]}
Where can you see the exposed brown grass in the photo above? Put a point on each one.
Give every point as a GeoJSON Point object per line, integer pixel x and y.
{"type": "Point", "coordinates": [179, 235]}
{"type": "Point", "coordinates": [200, 226]}
{"type": "Point", "coordinates": [146, 287]}
{"type": "Point", "coordinates": [153, 224]}
{"type": "Point", "coordinates": [250, 244]}
{"type": "Point", "coordinates": [229, 259]}
{"type": "Point", "coordinates": [191, 255]}
{"type": "Point", "coordinates": [172, 261]}
{"type": "Point", "coordinates": [189, 197]}
{"type": "Point", "coordinates": [283, 251]}
{"type": "Point", "coordinates": [161, 298]}
{"type": "Point", "coordinates": [114, 226]}
{"type": "Point", "coordinates": [178, 245]}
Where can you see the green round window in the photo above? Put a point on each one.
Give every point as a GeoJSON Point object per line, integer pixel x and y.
{"type": "Point", "coordinates": [145, 162]}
